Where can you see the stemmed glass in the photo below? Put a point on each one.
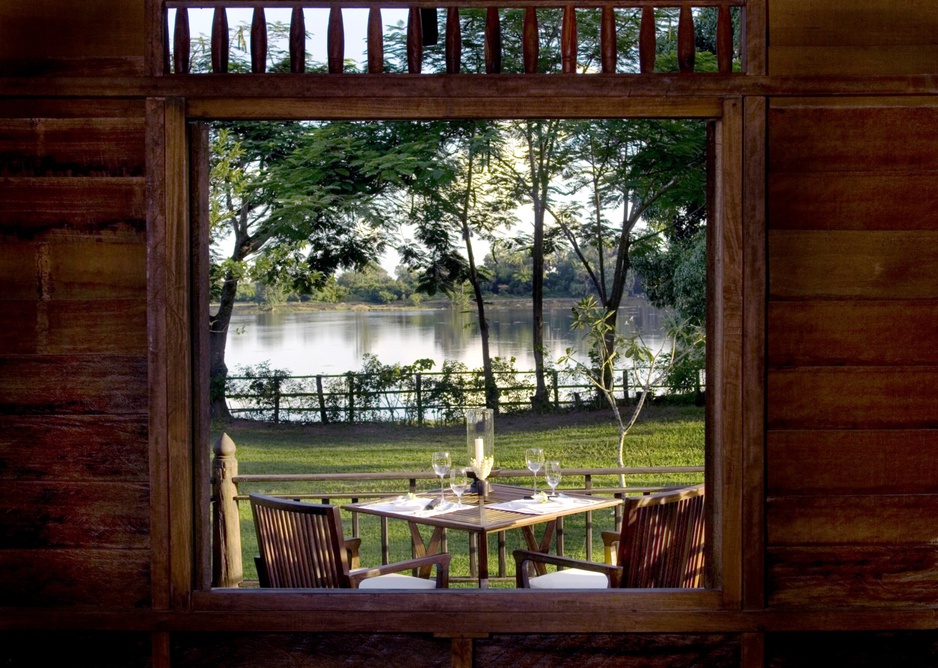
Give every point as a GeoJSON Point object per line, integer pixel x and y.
{"type": "Point", "coordinates": [535, 460]}
{"type": "Point", "coordinates": [458, 482]}
{"type": "Point", "coordinates": [552, 475]}
{"type": "Point", "coordinates": [441, 463]}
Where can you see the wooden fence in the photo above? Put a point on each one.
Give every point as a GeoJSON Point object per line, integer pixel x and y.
{"type": "Point", "coordinates": [227, 492]}
{"type": "Point", "coordinates": [416, 398]}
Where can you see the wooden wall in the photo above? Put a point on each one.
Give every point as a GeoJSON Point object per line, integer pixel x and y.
{"type": "Point", "coordinates": [852, 406]}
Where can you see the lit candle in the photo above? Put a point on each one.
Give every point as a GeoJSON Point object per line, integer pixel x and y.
{"type": "Point", "coordinates": [480, 450]}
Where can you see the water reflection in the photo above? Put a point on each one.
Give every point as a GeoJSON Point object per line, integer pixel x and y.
{"type": "Point", "coordinates": [307, 343]}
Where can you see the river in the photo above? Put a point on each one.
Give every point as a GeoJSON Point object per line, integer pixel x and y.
{"type": "Point", "coordinates": [327, 342]}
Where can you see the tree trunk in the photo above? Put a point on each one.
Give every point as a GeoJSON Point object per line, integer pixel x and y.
{"type": "Point", "coordinates": [540, 401]}
{"type": "Point", "coordinates": [218, 341]}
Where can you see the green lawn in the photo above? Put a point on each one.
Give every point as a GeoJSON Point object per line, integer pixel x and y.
{"type": "Point", "coordinates": [665, 435]}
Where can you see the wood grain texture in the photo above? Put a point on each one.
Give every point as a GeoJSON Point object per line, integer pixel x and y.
{"type": "Point", "coordinates": [853, 332]}
{"type": "Point", "coordinates": [108, 327]}
{"type": "Point", "coordinates": [850, 576]}
{"type": "Point", "coordinates": [55, 514]}
{"type": "Point", "coordinates": [75, 577]}
{"type": "Point", "coordinates": [859, 139]}
{"type": "Point", "coordinates": [863, 649]}
{"type": "Point", "coordinates": [60, 147]}
{"type": "Point", "coordinates": [851, 520]}
{"type": "Point", "coordinates": [853, 201]}
{"type": "Point", "coordinates": [834, 462]}
{"type": "Point", "coordinates": [20, 271]}
{"type": "Point", "coordinates": [93, 270]}
{"type": "Point", "coordinates": [853, 264]}
{"type": "Point", "coordinates": [51, 384]}
{"type": "Point", "coordinates": [30, 205]}
{"type": "Point", "coordinates": [73, 448]}
{"type": "Point", "coordinates": [105, 649]}
{"type": "Point", "coordinates": [853, 398]}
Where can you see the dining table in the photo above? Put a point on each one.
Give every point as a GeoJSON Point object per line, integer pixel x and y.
{"type": "Point", "coordinates": [502, 508]}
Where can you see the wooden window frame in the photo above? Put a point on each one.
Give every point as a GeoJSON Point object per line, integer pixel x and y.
{"type": "Point", "coordinates": [180, 468]}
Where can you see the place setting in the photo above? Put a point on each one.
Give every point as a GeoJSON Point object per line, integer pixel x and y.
{"type": "Point", "coordinates": [429, 506]}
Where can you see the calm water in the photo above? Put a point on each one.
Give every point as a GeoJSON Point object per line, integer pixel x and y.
{"type": "Point", "coordinates": [327, 342]}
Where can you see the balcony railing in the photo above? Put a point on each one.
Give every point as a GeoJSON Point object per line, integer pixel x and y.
{"type": "Point", "coordinates": [422, 27]}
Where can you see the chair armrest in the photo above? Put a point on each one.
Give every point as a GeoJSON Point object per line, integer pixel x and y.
{"type": "Point", "coordinates": [610, 541]}
{"type": "Point", "coordinates": [352, 545]}
{"type": "Point", "coordinates": [441, 561]}
{"type": "Point", "coordinates": [525, 557]}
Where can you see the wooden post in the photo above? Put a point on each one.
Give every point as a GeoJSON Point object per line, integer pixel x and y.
{"type": "Point", "coordinates": [277, 382]}
{"type": "Point", "coordinates": [323, 416]}
{"type": "Point", "coordinates": [351, 397]}
{"type": "Point", "coordinates": [625, 385]}
{"type": "Point", "coordinates": [417, 383]}
{"type": "Point", "coordinates": [556, 380]}
{"type": "Point", "coordinates": [227, 570]}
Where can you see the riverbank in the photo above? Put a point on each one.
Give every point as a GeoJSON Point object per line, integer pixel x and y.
{"type": "Point", "coordinates": [249, 308]}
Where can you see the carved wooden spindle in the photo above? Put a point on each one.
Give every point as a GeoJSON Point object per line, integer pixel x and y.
{"type": "Point", "coordinates": [414, 41]}
{"type": "Point", "coordinates": [453, 41]}
{"type": "Point", "coordinates": [220, 41]}
{"type": "Point", "coordinates": [297, 41]}
{"type": "Point", "coordinates": [181, 41]}
{"type": "Point", "coordinates": [493, 41]}
{"type": "Point", "coordinates": [336, 41]}
{"type": "Point", "coordinates": [686, 47]}
{"type": "Point", "coordinates": [647, 41]}
{"type": "Point", "coordinates": [724, 40]}
{"type": "Point", "coordinates": [607, 40]}
{"type": "Point", "coordinates": [531, 42]}
{"type": "Point", "coordinates": [568, 42]}
{"type": "Point", "coordinates": [166, 58]}
{"type": "Point", "coordinates": [259, 41]}
{"type": "Point", "coordinates": [375, 41]}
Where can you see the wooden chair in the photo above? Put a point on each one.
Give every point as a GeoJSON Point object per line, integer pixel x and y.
{"type": "Point", "coordinates": [302, 546]}
{"type": "Point", "coordinates": [661, 545]}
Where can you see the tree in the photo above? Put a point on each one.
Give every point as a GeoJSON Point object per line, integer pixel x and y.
{"type": "Point", "coordinates": [460, 204]}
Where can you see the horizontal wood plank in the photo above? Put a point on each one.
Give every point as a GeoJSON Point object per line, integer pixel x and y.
{"type": "Point", "coordinates": [824, 462]}
{"type": "Point", "coordinates": [851, 576]}
{"type": "Point", "coordinates": [103, 649]}
{"type": "Point", "coordinates": [53, 514]}
{"type": "Point", "coordinates": [37, 107]}
{"type": "Point", "coordinates": [75, 577]}
{"type": "Point", "coordinates": [89, 270]}
{"type": "Point", "coordinates": [30, 206]}
{"type": "Point", "coordinates": [74, 448]}
{"type": "Point", "coordinates": [853, 398]}
{"type": "Point", "coordinates": [51, 384]}
{"type": "Point", "coordinates": [853, 201]}
{"type": "Point", "coordinates": [60, 327]}
{"type": "Point", "coordinates": [74, 147]}
{"type": "Point", "coordinates": [859, 139]}
{"type": "Point", "coordinates": [867, 23]}
{"type": "Point", "coordinates": [852, 520]}
{"type": "Point", "coordinates": [852, 60]}
{"type": "Point", "coordinates": [852, 333]}
{"type": "Point", "coordinates": [870, 265]}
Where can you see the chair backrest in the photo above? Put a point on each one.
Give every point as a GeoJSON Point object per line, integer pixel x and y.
{"type": "Point", "coordinates": [301, 544]}
{"type": "Point", "coordinates": [662, 540]}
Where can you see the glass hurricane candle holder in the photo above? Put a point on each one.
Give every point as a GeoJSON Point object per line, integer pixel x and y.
{"type": "Point", "coordinates": [480, 445]}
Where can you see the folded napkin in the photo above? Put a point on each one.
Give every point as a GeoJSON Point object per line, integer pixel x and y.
{"type": "Point", "coordinates": [534, 507]}
{"type": "Point", "coordinates": [420, 506]}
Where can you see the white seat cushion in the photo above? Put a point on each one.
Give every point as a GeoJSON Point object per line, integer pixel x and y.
{"type": "Point", "coordinates": [396, 581]}
{"type": "Point", "coordinates": [570, 578]}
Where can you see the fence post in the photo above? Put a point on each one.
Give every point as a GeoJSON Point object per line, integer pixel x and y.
{"type": "Point", "coordinates": [553, 375]}
{"type": "Point", "coordinates": [351, 397]}
{"type": "Point", "coordinates": [277, 382]}
{"type": "Point", "coordinates": [625, 385]}
{"type": "Point", "coordinates": [227, 570]}
{"type": "Point", "coordinates": [417, 384]}
{"type": "Point", "coordinates": [322, 401]}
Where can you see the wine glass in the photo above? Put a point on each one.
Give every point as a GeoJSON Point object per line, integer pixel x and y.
{"type": "Point", "coordinates": [458, 482]}
{"type": "Point", "coordinates": [441, 463]}
{"type": "Point", "coordinates": [552, 475]}
{"type": "Point", "coordinates": [535, 460]}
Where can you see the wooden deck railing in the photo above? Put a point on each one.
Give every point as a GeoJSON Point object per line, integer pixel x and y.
{"type": "Point", "coordinates": [422, 22]}
{"type": "Point", "coordinates": [227, 492]}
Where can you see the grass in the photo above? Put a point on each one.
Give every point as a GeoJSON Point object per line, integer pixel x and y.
{"type": "Point", "coordinates": [665, 435]}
